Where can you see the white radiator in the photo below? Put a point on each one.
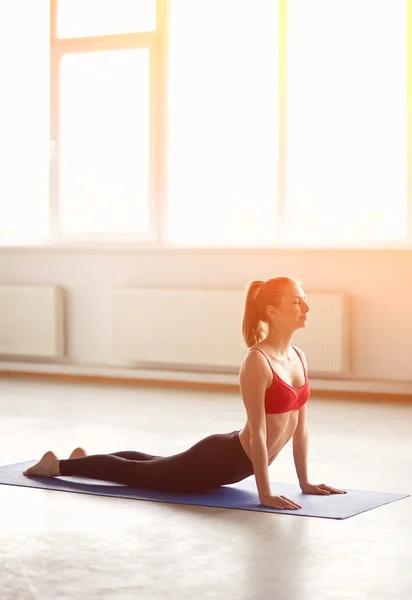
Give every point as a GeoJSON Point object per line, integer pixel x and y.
{"type": "Point", "coordinates": [31, 321]}
{"type": "Point", "coordinates": [201, 330]}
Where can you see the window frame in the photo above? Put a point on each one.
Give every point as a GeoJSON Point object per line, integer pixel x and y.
{"type": "Point", "coordinates": [155, 43]}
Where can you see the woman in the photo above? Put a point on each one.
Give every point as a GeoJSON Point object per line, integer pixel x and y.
{"type": "Point", "coordinates": [274, 388]}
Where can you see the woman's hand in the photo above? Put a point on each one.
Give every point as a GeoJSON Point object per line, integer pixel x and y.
{"type": "Point", "coordinates": [321, 489]}
{"type": "Point", "coordinates": [279, 502]}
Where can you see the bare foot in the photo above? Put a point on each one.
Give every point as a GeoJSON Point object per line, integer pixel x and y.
{"type": "Point", "coordinates": [78, 453]}
{"type": "Point", "coordinates": [48, 466]}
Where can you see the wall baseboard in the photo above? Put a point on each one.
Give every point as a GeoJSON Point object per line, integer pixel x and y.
{"type": "Point", "coordinates": [388, 391]}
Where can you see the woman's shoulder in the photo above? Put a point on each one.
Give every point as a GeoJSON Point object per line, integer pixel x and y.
{"type": "Point", "coordinates": [255, 359]}
{"type": "Point", "coordinates": [254, 372]}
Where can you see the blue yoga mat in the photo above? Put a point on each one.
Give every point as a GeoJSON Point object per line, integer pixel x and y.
{"type": "Point", "coordinates": [241, 495]}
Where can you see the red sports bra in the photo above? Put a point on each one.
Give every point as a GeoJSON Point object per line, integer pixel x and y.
{"type": "Point", "coordinates": [281, 397]}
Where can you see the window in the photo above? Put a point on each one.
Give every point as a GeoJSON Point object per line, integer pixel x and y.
{"type": "Point", "coordinates": [222, 122]}
{"type": "Point", "coordinates": [213, 123]}
{"type": "Point", "coordinates": [104, 58]}
{"type": "Point", "coordinates": [87, 18]}
{"type": "Point", "coordinates": [24, 119]}
{"type": "Point", "coordinates": [346, 155]}
{"type": "Point", "coordinates": [104, 142]}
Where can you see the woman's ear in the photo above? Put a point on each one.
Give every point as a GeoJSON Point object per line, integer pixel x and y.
{"type": "Point", "coordinates": [270, 310]}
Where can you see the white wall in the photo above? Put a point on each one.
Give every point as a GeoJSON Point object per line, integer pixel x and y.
{"type": "Point", "coordinates": [379, 282]}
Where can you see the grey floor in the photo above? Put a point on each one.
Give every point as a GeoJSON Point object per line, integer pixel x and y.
{"type": "Point", "coordinates": [56, 545]}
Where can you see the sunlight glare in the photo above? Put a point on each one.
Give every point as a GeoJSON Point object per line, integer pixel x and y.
{"type": "Point", "coordinates": [346, 120]}
{"type": "Point", "coordinates": [222, 122]}
{"type": "Point", "coordinates": [24, 119]}
{"type": "Point", "coordinates": [104, 142]}
{"type": "Point", "coordinates": [88, 18]}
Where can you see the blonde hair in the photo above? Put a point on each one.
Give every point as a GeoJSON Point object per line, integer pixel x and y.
{"type": "Point", "coordinates": [260, 295]}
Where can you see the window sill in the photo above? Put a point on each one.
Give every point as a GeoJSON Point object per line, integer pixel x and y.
{"type": "Point", "coordinates": [134, 246]}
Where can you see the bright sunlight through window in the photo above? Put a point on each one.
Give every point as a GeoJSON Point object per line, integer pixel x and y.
{"type": "Point", "coordinates": [24, 119]}
{"type": "Point", "coordinates": [85, 18]}
{"type": "Point", "coordinates": [216, 172]}
{"type": "Point", "coordinates": [345, 117]}
{"type": "Point", "coordinates": [346, 120]}
{"type": "Point", "coordinates": [104, 142]}
{"type": "Point", "coordinates": [222, 122]}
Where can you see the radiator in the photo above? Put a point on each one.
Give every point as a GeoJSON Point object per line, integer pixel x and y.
{"type": "Point", "coordinates": [31, 321]}
{"type": "Point", "coordinates": [195, 329]}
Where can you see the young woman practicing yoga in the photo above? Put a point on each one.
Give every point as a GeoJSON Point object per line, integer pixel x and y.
{"type": "Point", "coordinates": [274, 387]}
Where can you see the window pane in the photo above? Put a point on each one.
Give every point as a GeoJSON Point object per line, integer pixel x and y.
{"type": "Point", "coordinates": [88, 18]}
{"type": "Point", "coordinates": [346, 120]}
{"type": "Point", "coordinates": [104, 142]}
{"type": "Point", "coordinates": [222, 122]}
{"type": "Point", "coordinates": [24, 119]}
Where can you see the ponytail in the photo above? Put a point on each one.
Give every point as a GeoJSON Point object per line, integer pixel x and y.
{"type": "Point", "coordinates": [252, 328]}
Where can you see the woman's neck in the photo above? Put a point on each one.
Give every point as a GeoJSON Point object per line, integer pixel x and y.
{"type": "Point", "coordinates": [279, 343]}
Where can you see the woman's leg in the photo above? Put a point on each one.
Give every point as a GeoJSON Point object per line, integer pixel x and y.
{"type": "Point", "coordinates": [216, 460]}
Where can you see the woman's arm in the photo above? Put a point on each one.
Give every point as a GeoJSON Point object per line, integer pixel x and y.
{"type": "Point", "coordinates": [300, 447]}
{"type": "Point", "coordinates": [254, 379]}
{"type": "Point", "coordinates": [300, 437]}
{"type": "Point", "coordinates": [300, 452]}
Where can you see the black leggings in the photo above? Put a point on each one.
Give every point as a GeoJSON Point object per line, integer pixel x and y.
{"type": "Point", "coordinates": [216, 460]}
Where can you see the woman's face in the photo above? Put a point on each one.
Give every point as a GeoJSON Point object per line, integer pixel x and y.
{"type": "Point", "coordinates": [293, 309]}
